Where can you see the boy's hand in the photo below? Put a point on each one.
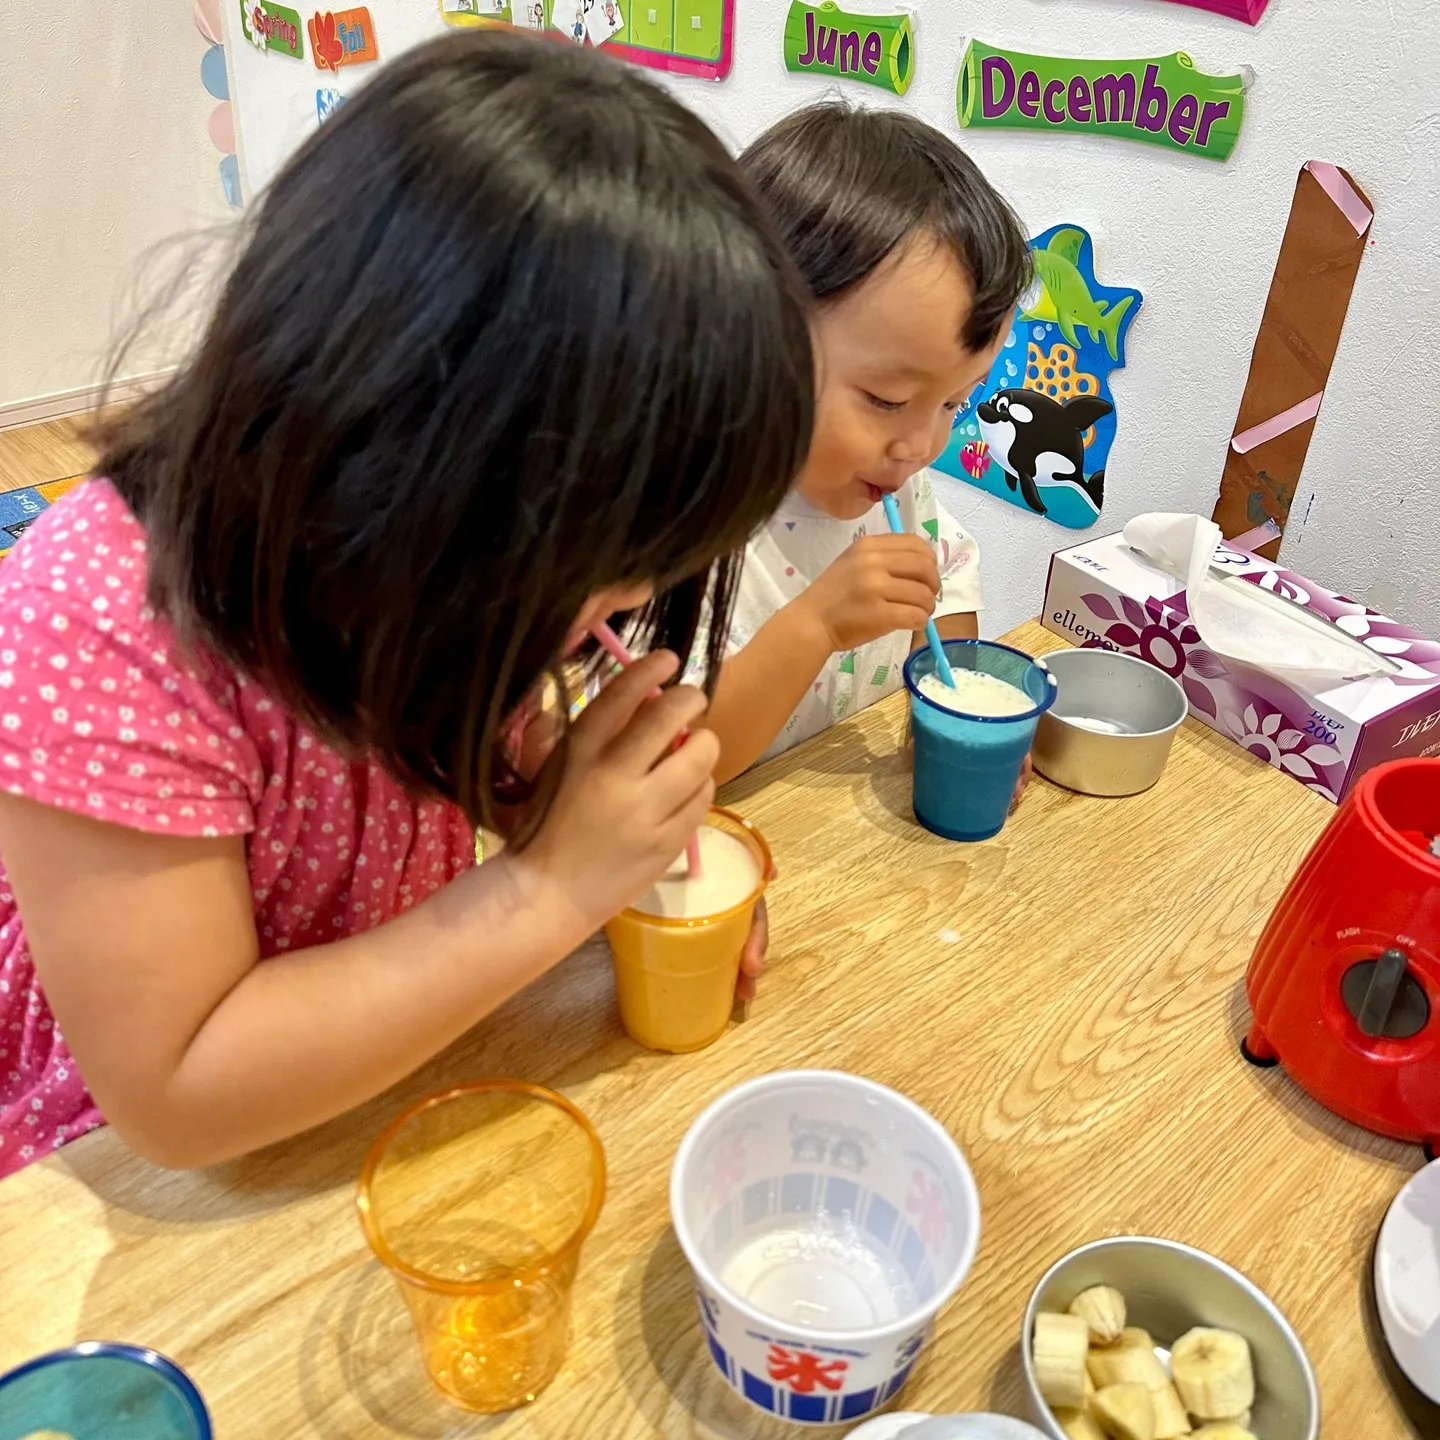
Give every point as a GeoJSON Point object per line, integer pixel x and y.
{"type": "Point", "coordinates": [628, 801]}
{"type": "Point", "coordinates": [1027, 769]}
{"type": "Point", "coordinates": [881, 584]}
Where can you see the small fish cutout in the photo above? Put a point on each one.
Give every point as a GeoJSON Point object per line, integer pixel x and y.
{"type": "Point", "coordinates": [975, 458]}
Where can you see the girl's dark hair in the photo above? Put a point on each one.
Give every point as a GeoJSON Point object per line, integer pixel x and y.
{"type": "Point", "coordinates": [847, 184]}
{"type": "Point", "coordinates": [509, 329]}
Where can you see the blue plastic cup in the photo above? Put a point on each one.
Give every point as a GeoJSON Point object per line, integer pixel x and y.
{"type": "Point", "coordinates": [966, 766]}
{"type": "Point", "coordinates": [98, 1391]}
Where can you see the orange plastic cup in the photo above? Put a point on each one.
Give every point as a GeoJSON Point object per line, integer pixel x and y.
{"type": "Point", "coordinates": [675, 977]}
{"type": "Point", "coordinates": [477, 1201]}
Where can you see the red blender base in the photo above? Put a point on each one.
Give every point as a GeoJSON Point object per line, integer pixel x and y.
{"type": "Point", "coordinates": [1261, 1054]}
{"type": "Point", "coordinates": [1344, 985]}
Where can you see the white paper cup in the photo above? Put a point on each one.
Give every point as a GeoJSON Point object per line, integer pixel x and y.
{"type": "Point", "coordinates": [827, 1219]}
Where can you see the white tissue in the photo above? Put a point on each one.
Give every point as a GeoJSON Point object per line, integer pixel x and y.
{"type": "Point", "coordinates": [1241, 622]}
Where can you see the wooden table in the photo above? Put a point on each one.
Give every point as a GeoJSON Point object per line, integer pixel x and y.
{"type": "Point", "coordinates": [1066, 998]}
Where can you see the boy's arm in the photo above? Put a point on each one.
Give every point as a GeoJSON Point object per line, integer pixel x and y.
{"type": "Point", "coordinates": [761, 685]}
{"type": "Point", "coordinates": [965, 626]}
{"type": "Point", "coordinates": [881, 584]}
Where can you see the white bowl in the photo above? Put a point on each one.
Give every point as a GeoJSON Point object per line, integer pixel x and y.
{"type": "Point", "coordinates": [826, 1219]}
{"type": "Point", "coordinates": [1169, 1288]}
{"type": "Point", "coordinates": [974, 1425]}
{"type": "Point", "coordinates": [1407, 1280]}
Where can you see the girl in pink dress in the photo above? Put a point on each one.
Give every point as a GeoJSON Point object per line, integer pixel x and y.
{"type": "Point", "coordinates": [510, 348]}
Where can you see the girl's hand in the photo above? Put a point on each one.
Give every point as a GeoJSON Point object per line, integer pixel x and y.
{"type": "Point", "coordinates": [629, 800]}
{"type": "Point", "coordinates": [752, 957]}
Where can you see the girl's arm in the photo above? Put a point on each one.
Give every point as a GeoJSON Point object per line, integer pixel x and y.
{"type": "Point", "coordinates": [882, 583]}
{"type": "Point", "coordinates": [196, 1052]}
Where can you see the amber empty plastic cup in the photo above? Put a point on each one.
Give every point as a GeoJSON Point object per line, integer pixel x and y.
{"type": "Point", "coordinates": [478, 1201]}
{"type": "Point", "coordinates": [675, 977]}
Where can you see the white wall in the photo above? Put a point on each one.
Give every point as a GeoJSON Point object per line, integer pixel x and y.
{"type": "Point", "coordinates": [1353, 84]}
{"type": "Point", "coordinates": [103, 152]}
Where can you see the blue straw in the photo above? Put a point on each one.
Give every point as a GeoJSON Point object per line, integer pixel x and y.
{"type": "Point", "coordinates": [942, 665]}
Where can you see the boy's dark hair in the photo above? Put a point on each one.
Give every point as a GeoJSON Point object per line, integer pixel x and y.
{"type": "Point", "coordinates": [847, 184]}
{"type": "Point", "coordinates": [509, 329]}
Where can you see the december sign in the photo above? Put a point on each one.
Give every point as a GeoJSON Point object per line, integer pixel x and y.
{"type": "Point", "coordinates": [1164, 101]}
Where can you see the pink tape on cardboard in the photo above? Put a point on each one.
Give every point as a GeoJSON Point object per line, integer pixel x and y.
{"type": "Point", "coordinates": [1278, 425]}
{"type": "Point", "coordinates": [1343, 193]}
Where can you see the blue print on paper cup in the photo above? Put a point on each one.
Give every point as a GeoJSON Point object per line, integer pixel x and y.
{"type": "Point", "coordinates": [827, 1219]}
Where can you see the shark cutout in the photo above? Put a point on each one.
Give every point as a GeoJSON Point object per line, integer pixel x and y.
{"type": "Point", "coordinates": [1038, 431]}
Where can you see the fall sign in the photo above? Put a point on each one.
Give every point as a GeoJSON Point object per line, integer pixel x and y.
{"type": "Point", "coordinates": [342, 37]}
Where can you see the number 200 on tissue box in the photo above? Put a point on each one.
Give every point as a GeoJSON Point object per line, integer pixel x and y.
{"type": "Point", "coordinates": [1103, 593]}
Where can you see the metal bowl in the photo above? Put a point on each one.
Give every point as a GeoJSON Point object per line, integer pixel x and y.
{"type": "Point", "coordinates": [1110, 729]}
{"type": "Point", "coordinates": [1169, 1288]}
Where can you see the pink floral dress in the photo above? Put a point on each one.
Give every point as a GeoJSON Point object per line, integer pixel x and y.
{"type": "Point", "coordinates": [103, 714]}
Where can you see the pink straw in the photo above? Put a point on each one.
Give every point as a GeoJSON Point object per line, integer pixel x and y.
{"type": "Point", "coordinates": [611, 643]}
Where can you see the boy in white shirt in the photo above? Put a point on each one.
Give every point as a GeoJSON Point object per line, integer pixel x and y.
{"type": "Point", "coordinates": [916, 264]}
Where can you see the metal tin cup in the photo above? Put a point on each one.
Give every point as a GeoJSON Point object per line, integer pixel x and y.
{"type": "Point", "coordinates": [826, 1219]}
{"type": "Point", "coordinates": [99, 1391]}
{"type": "Point", "coordinates": [1170, 1288]}
{"type": "Point", "coordinates": [1113, 722]}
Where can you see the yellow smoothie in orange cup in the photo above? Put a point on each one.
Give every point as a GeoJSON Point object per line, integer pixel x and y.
{"type": "Point", "coordinates": [677, 949]}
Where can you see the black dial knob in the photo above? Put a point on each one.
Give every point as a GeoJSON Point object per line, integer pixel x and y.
{"type": "Point", "coordinates": [1385, 997]}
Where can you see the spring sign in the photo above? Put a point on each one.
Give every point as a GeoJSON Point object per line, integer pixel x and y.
{"type": "Point", "coordinates": [1164, 101]}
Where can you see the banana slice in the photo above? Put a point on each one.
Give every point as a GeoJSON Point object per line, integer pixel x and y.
{"type": "Point", "coordinates": [1171, 1420]}
{"type": "Point", "coordinates": [1102, 1308]}
{"type": "Point", "coordinates": [1079, 1425]}
{"type": "Point", "coordinates": [1222, 1430]}
{"type": "Point", "coordinates": [1059, 1347]}
{"type": "Point", "coordinates": [1126, 1365]}
{"type": "Point", "coordinates": [1132, 1337]}
{"type": "Point", "coordinates": [1213, 1373]}
{"type": "Point", "coordinates": [1125, 1412]}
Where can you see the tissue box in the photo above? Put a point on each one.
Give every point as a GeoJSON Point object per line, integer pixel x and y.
{"type": "Point", "coordinates": [1104, 593]}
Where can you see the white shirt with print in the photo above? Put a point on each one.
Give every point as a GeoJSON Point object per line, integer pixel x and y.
{"type": "Point", "coordinates": [792, 550]}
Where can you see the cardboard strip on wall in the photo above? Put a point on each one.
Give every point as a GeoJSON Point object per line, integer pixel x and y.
{"type": "Point", "coordinates": [1325, 238]}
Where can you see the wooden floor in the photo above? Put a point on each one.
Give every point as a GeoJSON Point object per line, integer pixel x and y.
{"type": "Point", "coordinates": [33, 454]}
